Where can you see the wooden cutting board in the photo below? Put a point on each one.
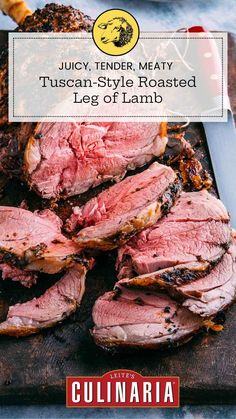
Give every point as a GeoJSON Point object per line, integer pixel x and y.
{"type": "Point", "coordinates": [33, 369]}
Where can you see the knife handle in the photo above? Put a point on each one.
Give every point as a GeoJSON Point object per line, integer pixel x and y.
{"type": "Point", "coordinates": [213, 67]}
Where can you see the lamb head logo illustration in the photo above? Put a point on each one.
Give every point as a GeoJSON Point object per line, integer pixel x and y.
{"type": "Point", "coordinates": [115, 32]}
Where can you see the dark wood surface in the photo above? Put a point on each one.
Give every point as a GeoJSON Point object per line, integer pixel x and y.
{"type": "Point", "coordinates": [33, 369]}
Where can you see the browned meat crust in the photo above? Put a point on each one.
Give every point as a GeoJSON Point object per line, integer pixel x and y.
{"type": "Point", "coordinates": [57, 18]}
{"type": "Point", "coordinates": [13, 140]}
{"type": "Point", "coordinates": [3, 86]}
{"type": "Point", "coordinates": [192, 174]}
{"type": "Point", "coordinates": [170, 277]}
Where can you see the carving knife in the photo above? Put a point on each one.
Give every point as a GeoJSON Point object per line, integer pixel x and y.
{"type": "Point", "coordinates": [221, 141]}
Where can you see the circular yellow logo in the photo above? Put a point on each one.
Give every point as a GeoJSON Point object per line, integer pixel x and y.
{"type": "Point", "coordinates": [115, 32]}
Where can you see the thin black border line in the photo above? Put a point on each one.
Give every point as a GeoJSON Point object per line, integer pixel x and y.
{"type": "Point", "coordinates": [13, 69]}
{"type": "Point", "coordinates": [120, 116]}
{"type": "Point", "coordinates": [141, 37]}
{"type": "Point", "coordinates": [222, 78]}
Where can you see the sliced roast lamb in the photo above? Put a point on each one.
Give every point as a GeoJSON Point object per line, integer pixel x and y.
{"type": "Point", "coordinates": [34, 241]}
{"type": "Point", "coordinates": [63, 159]}
{"type": "Point", "coordinates": [126, 208]}
{"type": "Point", "coordinates": [57, 303]}
{"type": "Point", "coordinates": [137, 319]}
{"type": "Point", "coordinates": [18, 275]}
{"type": "Point", "coordinates": [214, 292]}
{"type": "Point", "coordinates": [195, 230]}
{"type": "Point", "coordinates": [203, 289]}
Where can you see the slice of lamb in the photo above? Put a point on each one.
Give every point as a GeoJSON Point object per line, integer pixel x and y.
{"type": "Point", "coordinates": [18, 275]}
{"type": "Point", "coordinates": [204, 289]}
{"type": "Point", "coordinates": [214, 292]}
{"type": "Point", "coordinates": [196, 229]}
{"type": "Point", "coordinates": [198, 206]}
{"type": "Point", "coordinates": [176, 244]}
{"type": "Point", "coordinates": [57, 303]}
{"type": "Point", "coordinates": [34, 241]}
{"type": "Point", "coordinates": [168, 278]}
{"type": "Point", "coordinates": [133, 318]}
{"type": "Point", "coordinates": [68, 159]}
{"type": "Point", "coordinates": [126, 208]}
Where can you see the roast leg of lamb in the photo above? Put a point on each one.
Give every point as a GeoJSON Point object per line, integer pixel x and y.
{"type": "Point", "coordinates": [189, 253]}
{"type": "Point", "coordinates": [138, 319]}
{"type": "Point", "coordinates": [57, 303]}
{"type": "Point", "coordinates": [196, 229]}
{"type": "Point", "coordinates": [63, 159]}
{"type": "Point", "coordinates": [126, 208]}
{"type": "Point", "coordinates": [34, 241]}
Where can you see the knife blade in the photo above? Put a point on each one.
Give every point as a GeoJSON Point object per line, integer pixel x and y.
{"type": "Point", "coordinates": [220, 136]}
{"type": "Point", "coordinates": [221, 141]}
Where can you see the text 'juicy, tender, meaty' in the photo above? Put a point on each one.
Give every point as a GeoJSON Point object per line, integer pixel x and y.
{"type": "Point", "coordinates": [64, 159]}
{"type": "Point", "coordinates": [57, 303]}
{"type": "Point", "coordinates": [34, 241]}
{"type": "Point", "coordinates": [133, 318]}
{"type": "Point", "coordinates": [196, 229]}
{"type": "Point", "coordinates": [126, 208]}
